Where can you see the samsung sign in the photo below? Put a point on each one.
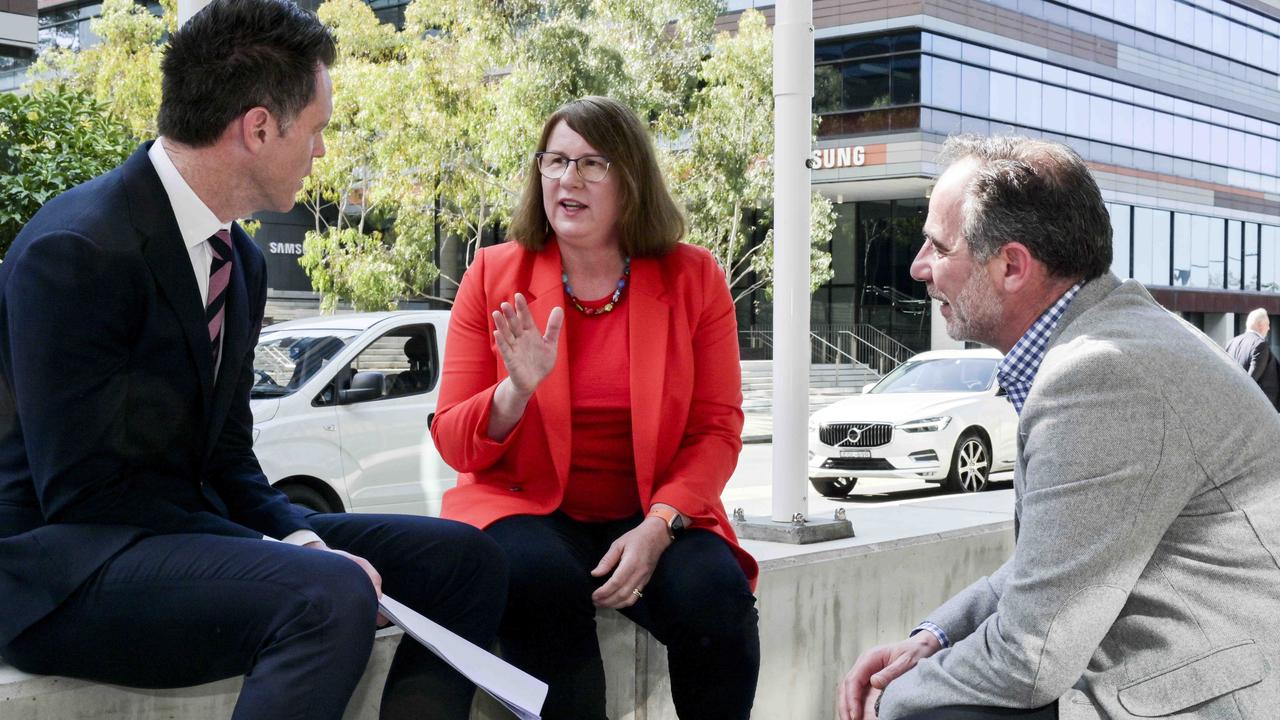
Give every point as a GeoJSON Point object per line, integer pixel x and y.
{"type": "Point", "coordinates": [848, 156]}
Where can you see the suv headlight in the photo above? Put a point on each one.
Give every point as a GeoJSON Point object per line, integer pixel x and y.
{"type": "Point", "coordinates": [932, 424]}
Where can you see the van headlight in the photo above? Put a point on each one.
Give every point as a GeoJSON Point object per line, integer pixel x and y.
{"type": "Point", "coordinates": [931, 424]}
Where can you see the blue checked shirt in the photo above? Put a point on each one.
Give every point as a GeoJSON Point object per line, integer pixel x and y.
{"type": "Point", "coordinates": [1016, 373]}
{"type": "Point", "coordinates": [1018, 368]}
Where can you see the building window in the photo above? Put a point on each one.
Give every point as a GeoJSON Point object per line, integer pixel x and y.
{"type": "Point", "coordinates": [1119, 239]}
{"type": "Point", "coordinates": [1235, 255]}
{"type": "Point", "coordinates": [1151, 246]}
{"type": "Point", "coordinates": [867, 84]}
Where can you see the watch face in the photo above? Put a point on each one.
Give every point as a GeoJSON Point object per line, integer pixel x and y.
{"type": "Point", "coordinates": [677, 523]}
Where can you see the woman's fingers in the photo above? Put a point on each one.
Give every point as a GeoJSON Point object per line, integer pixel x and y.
{"type": "Point", "coordinates": [554, 322]}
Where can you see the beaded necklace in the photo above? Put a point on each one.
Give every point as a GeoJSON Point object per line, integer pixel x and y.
{"type": "Point", "coordinates": [613, 300]}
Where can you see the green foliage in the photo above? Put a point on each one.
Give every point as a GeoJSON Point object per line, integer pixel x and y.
{"type": "Point", "coordinates": [722, 169]}
{"type": "Point", "coordinates": [123, 71]}
{"type": "Point", "coordinates": [50, 141]}
{"type": "Point", "coordinates": [433, 124]}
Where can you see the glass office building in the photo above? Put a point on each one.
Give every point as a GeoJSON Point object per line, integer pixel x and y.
{"type": "Point", "coordinates": [1175, 104]}
{"type": "Point", "coordinates": [18, 29]}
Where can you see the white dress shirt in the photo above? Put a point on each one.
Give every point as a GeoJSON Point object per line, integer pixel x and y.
{"type": "Point", "coordinates": [197, 223]}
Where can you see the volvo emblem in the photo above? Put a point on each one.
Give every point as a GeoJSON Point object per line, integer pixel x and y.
{"type": "Point", "coordinates": [854, 435]}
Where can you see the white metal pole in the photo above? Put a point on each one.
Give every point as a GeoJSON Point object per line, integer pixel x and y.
{"type": "Point", "coordinates": [792, 148]}
{"type": "Point", "coordinates": [187, 8]}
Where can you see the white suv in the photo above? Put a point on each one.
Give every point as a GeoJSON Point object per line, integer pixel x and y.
{"type": "Point", "coordinates": [341, 407]}
{"type": "Point", "coordinates": [939, 417]}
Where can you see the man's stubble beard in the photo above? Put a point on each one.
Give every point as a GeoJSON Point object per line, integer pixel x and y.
{"type": "Point", "coordinates": [979, 320]}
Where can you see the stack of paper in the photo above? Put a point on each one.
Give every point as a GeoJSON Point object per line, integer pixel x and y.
{"type": "Point", "coordinates": [518, 691]}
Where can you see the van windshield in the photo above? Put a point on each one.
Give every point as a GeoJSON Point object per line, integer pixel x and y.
{"type": "Point", "coordinates": [284, 361]}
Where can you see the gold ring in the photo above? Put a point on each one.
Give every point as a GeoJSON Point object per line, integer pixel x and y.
{"type": "Point", "coordinates": [637, 593]}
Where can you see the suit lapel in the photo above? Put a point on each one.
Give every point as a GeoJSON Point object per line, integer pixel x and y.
{"type": "Point", "coordinates": [544, 294]}
{"type": "Point", "coordinates": [648, 320]}
{"type": "Point", "coordinates": [168, 259]}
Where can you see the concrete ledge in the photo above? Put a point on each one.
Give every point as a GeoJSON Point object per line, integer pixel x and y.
{"type": "Point", "coordinates": [819, 606]}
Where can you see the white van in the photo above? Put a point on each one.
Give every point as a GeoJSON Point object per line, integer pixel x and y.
{"type": "Point", "coordinates": [341, 406]}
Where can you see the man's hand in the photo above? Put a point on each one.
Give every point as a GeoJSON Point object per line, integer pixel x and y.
{"type": "Point", "coordinates": [875, 669]}
{"type": "Point", "coordinates": [634, 555]}
{"type": "Point", "coordinates": [368, 568]}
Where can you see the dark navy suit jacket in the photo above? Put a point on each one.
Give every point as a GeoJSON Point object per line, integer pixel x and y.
{"type": "Point", "coordinates": [112, 424]}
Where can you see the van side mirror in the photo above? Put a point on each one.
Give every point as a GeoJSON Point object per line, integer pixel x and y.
{"type": "Point", "coordinates": [364, 386]}
{"type": "Point", "coordinates": [867, 388]}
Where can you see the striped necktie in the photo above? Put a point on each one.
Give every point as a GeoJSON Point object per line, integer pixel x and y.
{"type": "Point", "coordinates": [219, 278]}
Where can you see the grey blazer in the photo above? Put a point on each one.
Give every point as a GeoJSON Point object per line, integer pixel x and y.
{"type": "Point", "coordinates": [1145, 579]}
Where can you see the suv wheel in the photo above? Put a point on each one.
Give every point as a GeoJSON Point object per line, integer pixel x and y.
{"type": "Point", "coordinates": [970, 465]}
{"type": "Point", "coordinates": [833, 487]}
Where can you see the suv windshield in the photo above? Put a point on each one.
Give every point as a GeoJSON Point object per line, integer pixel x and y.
{"type": "Point", "coordinates": [939, 376]}
{"type": "Point", "coordinates": [284, 361]}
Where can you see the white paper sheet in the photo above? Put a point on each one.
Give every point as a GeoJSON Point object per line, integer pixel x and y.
{"type": "Point", "coordinates": [518, 691]}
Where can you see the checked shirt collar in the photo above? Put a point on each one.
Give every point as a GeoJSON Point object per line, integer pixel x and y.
{"type": "Point", "coordinates": [1018, 369]}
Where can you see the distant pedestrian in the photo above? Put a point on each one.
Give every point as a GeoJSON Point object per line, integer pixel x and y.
{"type": "Point", "coordinates": [1253, 352]}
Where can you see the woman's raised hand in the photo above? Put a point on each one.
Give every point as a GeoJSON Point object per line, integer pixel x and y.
{"type": "Point", "coordinates": [528, 354]}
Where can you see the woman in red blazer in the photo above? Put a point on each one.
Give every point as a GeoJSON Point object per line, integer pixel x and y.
{"type": "Point", "coordinates": [591, 401]}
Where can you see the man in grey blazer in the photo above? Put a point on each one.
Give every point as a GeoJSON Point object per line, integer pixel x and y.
{"type": "Point", "coordinates": [1144, 581]}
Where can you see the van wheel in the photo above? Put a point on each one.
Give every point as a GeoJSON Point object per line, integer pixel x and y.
{"type": "Point", "coordinates": [306, 497]}
{"type": "Point", "coordinates": [833, 487]}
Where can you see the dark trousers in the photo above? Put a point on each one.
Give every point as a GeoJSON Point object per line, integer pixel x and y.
{"type": "Point", "coordinates": [697, 603]}
{"type": "Point", "coordinates": [967, 712]}
{"type": "Point", "coordinates": [177, 610]}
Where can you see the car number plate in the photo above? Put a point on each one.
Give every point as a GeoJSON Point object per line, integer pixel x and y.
{"type": "Point", "coordinates": [855, 453]}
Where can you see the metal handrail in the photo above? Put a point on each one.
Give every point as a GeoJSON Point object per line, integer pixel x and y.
{"type": "Point", "coordinates": [883, 340]}
{"type": "Point", "coordinates": [880, 354]}
{"type": "Point", "coordinates": [886, 363]}
{"type": "Point", "coordinates": [838, 352]}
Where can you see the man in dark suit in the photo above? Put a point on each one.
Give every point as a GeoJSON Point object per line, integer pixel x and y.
{"type": "Point", "coordinates": [136, 527]}
{"type": "Point", "coordinates": [1252, 351]}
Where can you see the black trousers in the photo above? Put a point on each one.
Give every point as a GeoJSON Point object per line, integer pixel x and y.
{"type": "Point", "coordinates": [698, 603]}
{"type": "Point", "coordinates": [969, 712]}
{"type": "Point", "coordinates": [178, 610]}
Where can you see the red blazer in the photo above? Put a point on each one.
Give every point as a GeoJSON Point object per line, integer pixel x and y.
{"type": "Point", "coordinates": [686, 391]}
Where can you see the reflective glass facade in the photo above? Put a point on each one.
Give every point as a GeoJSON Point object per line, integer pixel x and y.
{"type": "Point", "coordinates": [971, 88]}
{"type": "Point", "coordinates": [1192, 181]}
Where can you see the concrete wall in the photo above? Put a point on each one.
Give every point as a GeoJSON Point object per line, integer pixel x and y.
{"type": "Point", "coordinates": [817, 611]}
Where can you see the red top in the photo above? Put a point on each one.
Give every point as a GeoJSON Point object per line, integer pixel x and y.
{"type": "Point", "coordinates": [686, 410]}
{"type": "Point", "coordinates": [602, 466]}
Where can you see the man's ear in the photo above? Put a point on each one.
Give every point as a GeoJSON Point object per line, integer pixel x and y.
{"type": "Point", "coordinates": [256, 127]}
{"type": "Point", "coordinates": [1017, 268]}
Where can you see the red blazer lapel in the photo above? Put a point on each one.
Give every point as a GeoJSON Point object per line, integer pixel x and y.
{"type": "Point", "coordinates": [649, 316]}
{"type": "Point", "coordinates": [546, 293]}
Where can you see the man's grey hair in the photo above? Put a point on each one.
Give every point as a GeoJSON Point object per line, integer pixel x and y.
{"type": "Point", "coordinates": [1037, 193]}
{"type": "Point", "coordinates": [1257, 320]}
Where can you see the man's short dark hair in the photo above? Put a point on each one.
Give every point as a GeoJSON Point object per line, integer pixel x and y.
{"type": "Point", "coordinates": [235, 55]}
{"type": "Point", "coordinates": [1038, 193]}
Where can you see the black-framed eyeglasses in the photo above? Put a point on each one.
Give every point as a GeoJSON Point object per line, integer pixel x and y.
{"type": "Point", "coordinates": [553, 165]}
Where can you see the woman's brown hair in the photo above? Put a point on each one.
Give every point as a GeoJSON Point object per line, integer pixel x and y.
{"type": "Point", "coordinates": [649, 221]}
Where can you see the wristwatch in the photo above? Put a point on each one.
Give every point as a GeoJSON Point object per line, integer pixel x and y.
{"type": "Point", "coordinates": [673, 519]}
